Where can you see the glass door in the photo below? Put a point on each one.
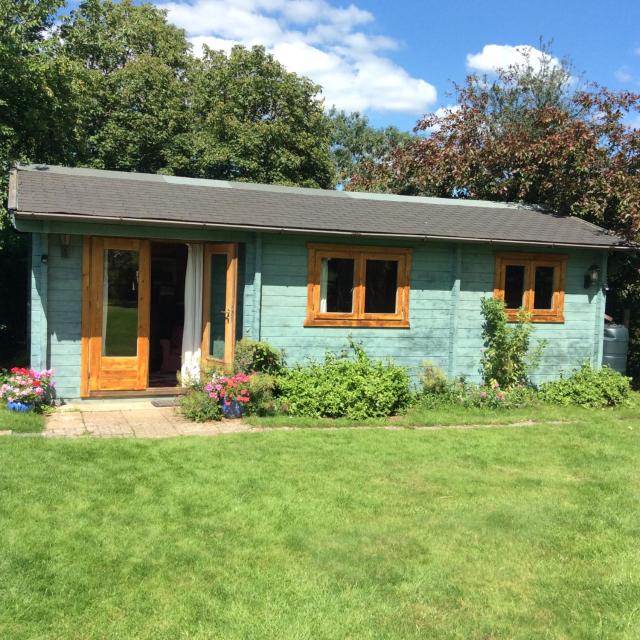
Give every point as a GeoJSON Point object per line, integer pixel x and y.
{"type": "Point", "coordinates": [119, 309]}
{"type": "Point", "coordinates": [219, 302]}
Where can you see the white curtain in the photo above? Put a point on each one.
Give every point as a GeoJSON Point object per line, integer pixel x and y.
{"type": "Point", "coordinates": [324, 282]}
{"type": "Point", "coordinates": [192, 332]}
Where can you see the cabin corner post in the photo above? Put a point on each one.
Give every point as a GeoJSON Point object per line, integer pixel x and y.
{"type": "Point", "coordinates": [257, 289]}
{"type": "Point", "coordinates": [456, 270]}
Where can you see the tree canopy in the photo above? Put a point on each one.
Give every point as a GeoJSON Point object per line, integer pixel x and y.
{"type": "Point", "coordinates": [115, 86]}
{"type": "Point", "coordinates": [530, 136]}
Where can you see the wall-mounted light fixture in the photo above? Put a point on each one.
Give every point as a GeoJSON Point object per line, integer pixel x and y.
{"type": "Point", "coordinates": [65, 241]}
{"type": "Point", "coordinates": [44, 258]}
{"type": "Point", "coordinates": [591, 276]}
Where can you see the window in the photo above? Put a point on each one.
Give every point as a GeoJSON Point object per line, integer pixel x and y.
{"type": "Point", "coordinates": [358, 286]}
{"type": "Point", "coordinates": [531, 281]}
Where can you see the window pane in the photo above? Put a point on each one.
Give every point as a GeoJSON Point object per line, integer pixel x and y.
{"type": "Point", "coordinates": [514, 286]}
{"type": "Point", "coordinates": [381, 286]}
{"type": "Point", "coordinates": [543, 296]}
{"type": "Point", "coordinates": [336, 285]}
{"type": "Point", "coordinates": [120, 303]}
{"type": "Point", "coordinates": [218, 308]}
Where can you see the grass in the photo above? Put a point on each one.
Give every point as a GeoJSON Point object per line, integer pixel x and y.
{"type": "Point", "coordinates": [482, 534]}
{"type": "Point", "coordinates": [20, 422]}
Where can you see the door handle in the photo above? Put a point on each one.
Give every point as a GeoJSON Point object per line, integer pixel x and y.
{"type": "Point", "coordinates": [226, 313]}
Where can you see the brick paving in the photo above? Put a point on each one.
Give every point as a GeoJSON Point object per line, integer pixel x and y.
{"type": "Point", "coordinates": [144, 422]}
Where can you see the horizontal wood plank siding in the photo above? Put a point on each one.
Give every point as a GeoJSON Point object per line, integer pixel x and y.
{"type": "Point", "coordinates": [284, 305]}
{"type": "Point", "coordinates": [433, 292]}
{"type": "Point", "coordinates": [64, 313]}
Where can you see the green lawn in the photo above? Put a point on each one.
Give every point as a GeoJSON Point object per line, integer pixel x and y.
{"type": "Point", "coordinates": [20, 422]}
{"type": "Point", "coordinates": [478, 534]}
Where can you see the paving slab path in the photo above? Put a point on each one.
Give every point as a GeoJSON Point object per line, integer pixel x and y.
{"type": "Point", "coordinates": [132, 422]}
{"type": "Point", "coordinates": [136, 419]}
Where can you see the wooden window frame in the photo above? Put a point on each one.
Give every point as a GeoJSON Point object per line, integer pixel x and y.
{"type": "Point", "coordinates": [358, 317]}
{"type": "Point", "coordinates": [530, 261]}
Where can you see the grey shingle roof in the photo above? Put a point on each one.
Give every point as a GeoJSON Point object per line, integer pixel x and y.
{"type": "Point", "coordinates": [59, 192]}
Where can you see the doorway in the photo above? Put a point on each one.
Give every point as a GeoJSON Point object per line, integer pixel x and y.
{"type": "Point", "coordinates": [168, 268]}
{"type": "Point", "coordinates": [134, 307]}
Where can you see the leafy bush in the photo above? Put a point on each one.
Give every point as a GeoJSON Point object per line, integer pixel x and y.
{"type": "Point", "coordinates": [340, 386]}
{"type": "Point", "coordinates": [196, 405]}
{"type": "Point", "coordinates": [252, 356]}
{"type": "Point", "coordinates": [434, 380]}
{"type": "Point", "coordinates": [588, 387]}
{"type": "Point", "coordinates": [506, 358]}
{"type": "Point", "coordinates": [460, 393]}
{"type": "Point", "coordinates": [262, 388]}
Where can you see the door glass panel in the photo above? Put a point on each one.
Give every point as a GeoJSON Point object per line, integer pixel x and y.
{"type": "Point", "coordinates": [514, 286]}
{"type": "Point", "coordinates": [120, 303]}
{"type": "Point", "coordinates": [218, 309]}
{"type": "Point", "coordinates": [381, 286]}
{"type": "Point", "coordinates": [336, 285]}
{"type": "Point", "coordinates": [543, 296]}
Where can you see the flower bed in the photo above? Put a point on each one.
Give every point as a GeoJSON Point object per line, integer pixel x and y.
{"type": "Point", "coordinates": [27, 389]}
{"type": "Point", "coordinates": [232, 392]}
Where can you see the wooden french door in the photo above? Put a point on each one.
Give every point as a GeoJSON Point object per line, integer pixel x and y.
{"type": "Point", "coordinates": [220, 283]}
{"type": "Point", "coordinates": [118, 296]}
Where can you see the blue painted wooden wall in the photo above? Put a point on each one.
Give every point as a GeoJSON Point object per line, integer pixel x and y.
{"type": "Point", "coordinates": [448, 281]}
{"type": "Point", "coordinates": [444, 310]}
{"type": "Point", "coordinates": [56, 333]}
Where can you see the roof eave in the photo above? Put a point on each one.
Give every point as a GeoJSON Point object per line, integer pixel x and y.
{"type": "Point", "coordinates": [90, 218]}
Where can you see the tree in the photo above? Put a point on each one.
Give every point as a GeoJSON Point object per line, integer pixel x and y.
{"type": "Point", "coordinates": [32, 123]}
{"type": "Point", "coordinates": [525, 137]}
{"type": "Point", "coordinates": [355, 141]}
{"type": "Point", "coordinates": [131, 69]}
{"type": "Point", "coordinates": [31, 85]}
{"type": "Point", "coordinates": [253, 120]}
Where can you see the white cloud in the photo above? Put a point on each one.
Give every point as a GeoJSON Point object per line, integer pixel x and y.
{"type": "Point", "coordinates": [501, 56]}
{"type": "Point", "coordinates": [442, 112]}
{"type": "Point", "coordinates": [623, 74]}
{"type": "Point", "coordinates": [333, 46]}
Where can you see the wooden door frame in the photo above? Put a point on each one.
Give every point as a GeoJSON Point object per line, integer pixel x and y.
{"type": "Point", "coordinates": [92, 292]}
{"type": "Point", "coordinates": [231, 251]}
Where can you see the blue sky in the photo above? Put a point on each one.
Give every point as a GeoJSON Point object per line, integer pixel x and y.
{"type": "Point", "coordinates": [394, 60]}
{"type": "Point", "coordinates": [602, 37]}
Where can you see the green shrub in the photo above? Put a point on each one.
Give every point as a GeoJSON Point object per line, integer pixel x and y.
{"type": "Point", "coordinates": [588, 387]}
{"type": "Point", "coordinates": [262, 390]}
{"type": "Point", "coordinates": [464, 394]}
{"type": "Point", "coordinates": [507, 358]}
{"type": "Point", "coordinates": [197, 406]}
{"type": "Point", "coordinates": [339, 387]}
{"type": "Point", "coordinates": [438, 392]}
{"type": "Point", "coordinates": [260, 357]}
{"type": "Point", "coordinates": [434, 380]}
